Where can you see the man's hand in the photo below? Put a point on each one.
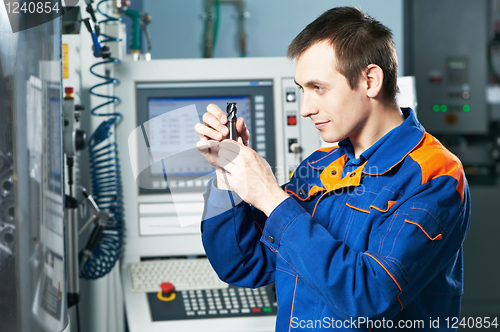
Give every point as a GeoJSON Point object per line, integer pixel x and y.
{"type": "Point", "coordinates": [249, 175]}
{"type": "Point", "coordinates": [212, 131]}
{"type": "Point", "coordinates": [239, 168]}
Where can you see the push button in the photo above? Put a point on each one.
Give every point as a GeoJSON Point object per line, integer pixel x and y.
{"type": "Point", "coordinates": [167, 292]}
{"type": "Point", "coordinates": [302, 192]}
{"type": "Point", "coordinates": [271, 239]}
{"type": "Point", "coordinates": [290, 97]}
{"type": "Point", "coordinates": [291, 120]}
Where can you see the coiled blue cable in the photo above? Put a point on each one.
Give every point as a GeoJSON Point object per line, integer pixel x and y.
{"type": "Point", "coordinates": [106, 20]}
{"type": "Point", "coordinates": [105, 175]}
{"type": "Point", "coordinates": [107, 79]}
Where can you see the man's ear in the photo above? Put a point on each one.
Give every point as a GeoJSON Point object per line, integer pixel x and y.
{"type": "Point", "coordinates": [374, 80]}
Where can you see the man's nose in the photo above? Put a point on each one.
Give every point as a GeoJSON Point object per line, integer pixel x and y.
{"type": "Point", "coordinates": [308, 106]}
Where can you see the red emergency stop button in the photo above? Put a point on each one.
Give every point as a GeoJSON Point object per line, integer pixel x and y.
{"type": "Point", "coordinates": [292, 120]}
{"type": "Point", "coordinates": [167, 292]}
{"type": "Point", "coordinates": [435, 79]}
{"type": "Point", "coordinates": [167, 288]}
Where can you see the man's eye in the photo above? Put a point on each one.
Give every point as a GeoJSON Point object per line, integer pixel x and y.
{"type": "Point", "coordinates": [301, 89]}
{"type": "Point", "coordinates": [317, 88]}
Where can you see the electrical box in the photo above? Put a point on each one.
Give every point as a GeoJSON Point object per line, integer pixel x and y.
{"type": "Point", "coordinates": [446, 51]}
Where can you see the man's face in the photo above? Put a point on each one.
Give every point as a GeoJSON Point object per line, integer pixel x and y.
{"type": "Point", "coordinates": [336, 111]}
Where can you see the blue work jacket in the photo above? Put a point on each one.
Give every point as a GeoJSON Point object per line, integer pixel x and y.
{"type": "Point", "coordinates": [373, 248]}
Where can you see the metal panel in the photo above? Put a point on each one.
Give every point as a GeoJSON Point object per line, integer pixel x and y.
{"type": "Point", "coordinates": [481, 249]}
{"type": "Point", "coordinates": [32, 267]}
{"type": "Point", "coordinates": [447, 55]}
{"type": "Point", "coordinates": [130, 73]}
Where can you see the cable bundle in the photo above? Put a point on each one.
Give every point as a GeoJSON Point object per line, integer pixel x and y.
{"type": "Point", "coordinates": [105, 176]}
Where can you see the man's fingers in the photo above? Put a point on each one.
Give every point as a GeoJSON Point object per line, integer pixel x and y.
{"type": "Point", "coordinates": [209, 150]}
{"type": "Point", "coordinates": [199, 129]}
{"type": "Point", "coordinates": [217, 113]}
{"type": "Point", "coordinates": [208, 133]}
{"type": "Point", "coordinates": [242, 130]}
{"type": "Point", "coordinates": [211, 122]}
{"type": "Point", "coordinates": [208, 144]}
{"type": "Point", "coordinates": [202, 147]}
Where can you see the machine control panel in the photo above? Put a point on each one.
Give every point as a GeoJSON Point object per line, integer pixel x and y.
{"type": "Point", "coordinates": [449, 63]}
{"type": "Point", "coordinates": [214, 303]}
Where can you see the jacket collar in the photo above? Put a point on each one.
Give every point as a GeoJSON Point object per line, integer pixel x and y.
{"type": "Point", "coordinates": [402, 141]}
{"type": "Point", "coordinates": [397, 146]}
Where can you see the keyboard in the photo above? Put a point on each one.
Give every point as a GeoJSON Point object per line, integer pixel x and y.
{"type": "Point", "coordinates": [184, 274]}
{"type": "Point", "coordinates": [215, 303]}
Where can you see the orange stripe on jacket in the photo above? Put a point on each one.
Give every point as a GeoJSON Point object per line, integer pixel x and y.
{"type": "Point", "coordinates": [260, 228]}
{"type": "Point", "coordinates": [293, 302]}
{"type": "Point", "coordinates": [328, 148]}
{"type": "Point", "coordinates": [390, 275]}
{"type": "Point", "coordinates": [437, 237]}
{"type": "Point", "coordinates": [357, 208]}
{"type": "Point", "coordinates": [435, 160]}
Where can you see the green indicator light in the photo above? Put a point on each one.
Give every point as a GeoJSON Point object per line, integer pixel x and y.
{"type": "Point", "coordinates": [444, 108]}
{"type": "Point", "coordinates": [267, 309]}
{"type": "Point", "coordinates": [435, 108]}
{"type": "Point", "coordinates": [466, 108]}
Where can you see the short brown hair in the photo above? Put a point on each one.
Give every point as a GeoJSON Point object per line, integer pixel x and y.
{"type": "Point", "coordinates": [358, 40]}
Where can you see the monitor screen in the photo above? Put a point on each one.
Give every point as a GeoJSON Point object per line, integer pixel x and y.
{"type": "Point", "coordinates": [171, 134]}
{"type": "Point", "coordinates": [166, 134]}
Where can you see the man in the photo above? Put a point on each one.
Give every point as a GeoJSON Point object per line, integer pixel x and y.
{"type": "Point", "coordinates": [367, 235]}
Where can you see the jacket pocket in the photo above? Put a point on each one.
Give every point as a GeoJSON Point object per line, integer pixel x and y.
{"type": "Point", "coordinates": [361, 199]}
{"type": "Point", "coordinates": [426, 222]}
{"type": "Point", "coordinates": [354, 215]}
{"type": "Point", "coordinates": [409, 245]}
{"type": "Point", "coordinates": [385, 201]}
